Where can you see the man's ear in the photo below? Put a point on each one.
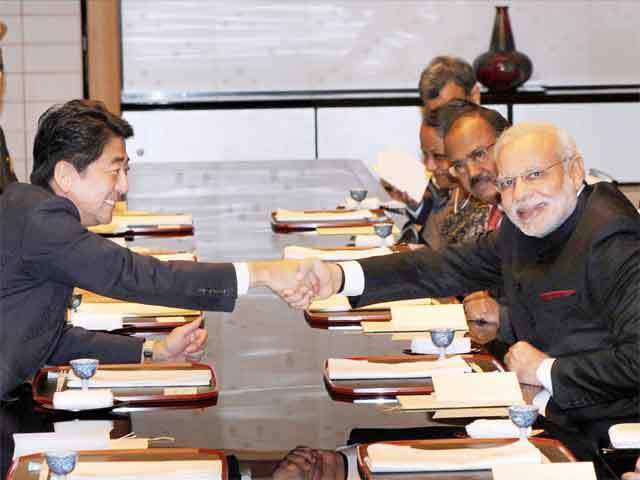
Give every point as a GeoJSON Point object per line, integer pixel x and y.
{"type": "Point", "coordinates": [64, 175]}
{"type": "Point", "coordinates": [576, 171]}
{"type": "Point", "coordinates": [475, 94]}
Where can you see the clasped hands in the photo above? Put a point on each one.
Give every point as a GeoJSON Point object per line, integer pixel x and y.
{"type": "Point", "coordinates": [297, 282]}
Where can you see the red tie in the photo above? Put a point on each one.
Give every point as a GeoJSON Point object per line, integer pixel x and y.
{"type": "Point", "coordinates": [495, 217]}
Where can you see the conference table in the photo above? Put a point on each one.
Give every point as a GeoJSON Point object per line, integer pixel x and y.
{"type": "Point", "coordinates": [268, 361]}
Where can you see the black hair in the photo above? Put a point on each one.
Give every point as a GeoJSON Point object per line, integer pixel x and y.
{"type": "Point", "coordinates": [76, 132]}
{"type": "Point", "coordinates": [449, 114]}
{"type": "Point", "coordinates": [442, 70]}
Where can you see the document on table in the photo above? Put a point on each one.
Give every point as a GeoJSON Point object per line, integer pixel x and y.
{"type": "Point", "coordinates": [295, 252]}
{"type": "Point", "coordinates": [148, 470]}
{"type": "Point", "coordinates": [143, 378]}
{"type": "Point", "coordinates": [347, 369]}
{"type": "Point", "coordinates": [384, 457]}
{"type": "Point", "coordinates": [404, 172]}
{"type": "Point", "coordinates": [420, 318]}
{"type": "Point", "coordinates": [283, 215]}
{"type": "Point", "coordinates": [490, 389]}
{"type": "Point", "coordinates": [130, 309]}
{"type": "Point", "coordinates": [545, 471]}
{"type": "Point", "coordinates": [340, 303]}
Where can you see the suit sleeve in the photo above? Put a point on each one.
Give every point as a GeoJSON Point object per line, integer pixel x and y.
{"type": "Point", "coordinates": [108, 348]}
{"type": "Point", "coordinates": [456, 270]}
{"type": "Point", "coordinates": [63, 250]}
{"type": "Point", "coordinates": [612, 373]}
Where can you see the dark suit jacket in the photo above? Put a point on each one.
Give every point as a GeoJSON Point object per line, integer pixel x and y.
{"type": "Point", "coordinates": [574, 294]}
{"type": "Point", "coordinates": [6, 173]}
{"type": "Point", "coordinates": [46, 252]}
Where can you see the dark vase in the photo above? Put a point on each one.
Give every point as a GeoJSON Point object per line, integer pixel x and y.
{"type": "Point", "coordinates": [502, 67]}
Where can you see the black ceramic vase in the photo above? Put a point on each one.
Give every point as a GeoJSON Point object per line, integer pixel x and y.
{"type": "Point", "coordinates": [502, 67]}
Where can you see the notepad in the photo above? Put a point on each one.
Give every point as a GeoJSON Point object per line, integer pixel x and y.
{"type": "Point", "coordinates": [545, 471]}
{"type": "Point", "coordinates": [625, 435]}
{"type": "Point", "coordinates": [143, 378]}
{"type": "Point", "coordinates": [384, 457]}
{"type": "Point", "coordinates": [148, 470]}
{"type": "Point", "coordinates": [283, 215]}
{"type": "Point", "coordinates": [404, 172]}
{"type": "Point", "coordinates": [299, 253]}
{"type": "Point", "coordinates": [347, 369]}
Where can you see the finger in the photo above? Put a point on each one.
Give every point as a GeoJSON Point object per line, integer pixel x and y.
{"type": "Point", "coordinates": [186, 329]}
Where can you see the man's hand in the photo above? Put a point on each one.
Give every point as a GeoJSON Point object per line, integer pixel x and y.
{"type": "Point", "coordinates": [298, 282]}
{"type": "Point", "coordinates": [304, 463]}
{"type": "Point", "coordinates": [399, 195]}
{"type": "Point", "coordinates": [524, 359]}
{"type": "Point", "coordinates": [185, 343]}
{"type": "Point", "coordinates": [483, 316]}
{"type": "Point", "coordinates": [633, 475]}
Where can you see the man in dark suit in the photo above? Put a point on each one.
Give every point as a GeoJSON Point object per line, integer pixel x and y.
{"type": "Point", "coordinates": [79, 172]}
{"type": "Point", "coordinates": [568, 258]}
{"type": "Point", "coordinates": [6, 172]}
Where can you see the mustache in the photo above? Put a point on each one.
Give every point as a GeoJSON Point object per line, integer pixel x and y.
{"type": "Point", "coordinates": [480, 178]}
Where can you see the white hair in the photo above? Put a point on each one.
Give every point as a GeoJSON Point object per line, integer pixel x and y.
{"type": "Point", "coordinates": [566, 148]}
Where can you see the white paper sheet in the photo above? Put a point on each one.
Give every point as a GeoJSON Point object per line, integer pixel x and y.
{"type": "Point", "coordinates": [148, 470]}
{"type": "Point", "coordinates": [81, 427]}
{"type": "Point", "coordinates": [396, 458]}
{"type": "Point", "coordinates": [625, 435]}
{"type": "Point", "coordinates": [545, 471]}
{"type": "Point", "coordinates": [28, 443]}
{"type": "Point", "coordinates": [481, 387]}
{"type": "Point", "coordinates": [340, 303]}
{"type": "Point", "coordinates": [374, 240]}
{"type": "Point", "coordinates": [498, 428]}
{"type": "Point", "coordinates": [424, 318]}
{"type": "Point", "coordinates": [404, 172]}
{"type": "Point", "coordinates": [77, 400]}
{"type": "Point", "coordinates": [283, 215]}
{"type": "Point", "coordinates": [96, 321]}
{"type": "Point", "coordinates": [300, 253]}
{"type": "Point", "coordinates": [344, 368]}
{"type": "Point", "coordinates": [129, 309]}
{"type": "Point", "coordinates": [143, 378]}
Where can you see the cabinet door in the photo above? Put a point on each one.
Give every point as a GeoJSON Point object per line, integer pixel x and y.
{"type": "Point", "coordinates": [606, 133]}
{"type": "Point", "coordinates": [221, 135]}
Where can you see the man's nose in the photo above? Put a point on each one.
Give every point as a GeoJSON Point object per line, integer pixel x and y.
{"type": "Point", "coordinates": [473, 169]}
{"type": "Point", "coordinates": [520, 188]}
{"type": "Point", "coordinates": [122, 186]}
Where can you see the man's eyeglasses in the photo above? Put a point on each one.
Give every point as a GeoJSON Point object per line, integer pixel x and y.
{"type": "Point", "coordinates": [477, 156]}
{"type": "Point", "coordinates": [530, 177]}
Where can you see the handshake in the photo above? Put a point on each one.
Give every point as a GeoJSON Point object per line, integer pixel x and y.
{"type": "Point", "coordinates": [297, 282]}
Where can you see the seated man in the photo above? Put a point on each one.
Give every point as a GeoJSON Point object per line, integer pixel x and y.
{"type": "Point", "coordinates": [568, 258]}
{"type": "Point", "coordinates": [6, 172]}
{"type": "Point", "coordinates": [444, 79]}
{"type": "Point", "coordinates": [79, 171]}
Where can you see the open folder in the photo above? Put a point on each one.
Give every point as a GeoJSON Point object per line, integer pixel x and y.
{"type": "Point", "coordinates": [347, 369]}
{"type": "Point", "coordinates": [126, 222]}
{"type": "Point", "coordinates": [148, 470]}
{"type": "Point", "coordinates": [283, 215]}
{"type": "Point", "coordinates": [420, 318]}
{"type": "Point", "coordinates": [144, 378]}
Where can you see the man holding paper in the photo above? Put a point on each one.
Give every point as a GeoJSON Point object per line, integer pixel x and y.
{"type": "Point", "coordinates": [568, 257]}
{"type": "Point", "coordinates": [79, 172]}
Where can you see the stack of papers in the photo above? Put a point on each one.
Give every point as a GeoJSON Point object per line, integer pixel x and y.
{"type": "Point", "coordinates": [29, 443]}
{"type": "Point", "coordinates": [123, 223]}
{"type": "Point", "coordinates": [545, 471]}
{"type": "Point", "coordinates": [294, 252]}
{"type": "Point", "coordinates": [329, 216]}
{"type": "Point", "coordinates": [347, 369]}
{"type": "Point", "coordinates": [384, 457]}
{"type": "Point", "coordinates": [148, 470]}
{"type": "Point", "coordinates": [143, 378]}
{"type": "Point", "coordinates": [110, 315]}
{"type": "Point", "coordinates": [404, 172]}
{"type": "Point", "coordinates": [625, 435]}
{"type": "Point", "coordinates": [489, 389]}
